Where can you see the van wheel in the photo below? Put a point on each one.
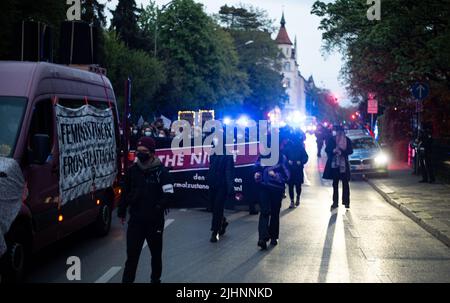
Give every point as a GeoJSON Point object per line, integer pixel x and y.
{"type": "Point", "coordinates": [15, 259]}
{"type": "Point", "coordinates": [103, 223]}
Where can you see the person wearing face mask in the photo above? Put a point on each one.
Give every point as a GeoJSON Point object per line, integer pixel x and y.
{"type": "Point", "coordinates": [148, 132]}
{"type": "Point", "coordinates": [221, 187]}
{"type": "Point", "coordinates": [147, 193]}
{"type": "Point", "coordinates": [162, 133]}
{"type": "Point", "coordinates": [339, 147]}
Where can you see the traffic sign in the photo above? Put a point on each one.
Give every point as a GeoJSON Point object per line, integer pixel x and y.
{"type": "Point", "coordinates": [372, 106]}
{"type": "Point", "coordinates": [420, 90]}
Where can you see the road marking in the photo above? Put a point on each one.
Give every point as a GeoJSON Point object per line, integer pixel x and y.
{"type": "Point", "coordinates": [109, 274]}
{"type": "Point", "coordinates": [168, 222]}
{"type": "Point", "coordinates": [183, 210]}
{"type": "Point", "coordinates": [114, 270]}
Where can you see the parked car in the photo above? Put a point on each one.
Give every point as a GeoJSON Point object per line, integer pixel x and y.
{"type": "Point", "coordinates": [368, 156]}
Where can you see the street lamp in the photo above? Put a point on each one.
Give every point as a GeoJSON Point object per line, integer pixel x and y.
{"type": "Point", "coordinates": [156, 23]}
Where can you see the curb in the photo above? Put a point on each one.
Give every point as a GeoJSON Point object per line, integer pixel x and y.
{"type": "Point", "coordinates": [410, 214]}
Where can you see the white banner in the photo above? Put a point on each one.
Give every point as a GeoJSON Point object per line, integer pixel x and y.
{"type": "Point", "coordinates": [87, 150]}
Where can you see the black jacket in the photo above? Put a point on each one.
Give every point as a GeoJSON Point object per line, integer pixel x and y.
{"type": "Point", "coordinates": [147, 193]}
{"type": "Point", "coordinates": [221, 173]}
{"type": "Point", "coordinates": [297, 158]}
{"type": "Point", "coordinates": [333, 173]}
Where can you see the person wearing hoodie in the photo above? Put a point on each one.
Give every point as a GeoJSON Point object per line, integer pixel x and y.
{"type": "Point", "coordinates": [147, 193]}
{"type": "Point", "coordinates": [337, 168]}
{"type": "Point", "coordinates": [272, 182]}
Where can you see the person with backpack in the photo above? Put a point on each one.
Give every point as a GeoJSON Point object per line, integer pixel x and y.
{"type": "Point", "coordinates": [272, 182]}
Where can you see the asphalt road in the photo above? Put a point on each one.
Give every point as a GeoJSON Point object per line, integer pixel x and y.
{"type": "Point", "coordinates": [372, 242]}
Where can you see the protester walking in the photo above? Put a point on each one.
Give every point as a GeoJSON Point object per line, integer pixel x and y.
{"type": "Point", "coordinates": [297, 158]}
{"type": "Point", "coordinates": [147, 192]}
{"type": "Point", "coordinates": [221, 188]}
{"type": "Point", "coordinates": [272, 181]}
{"type": "Point", "coordinates": [338, 148]}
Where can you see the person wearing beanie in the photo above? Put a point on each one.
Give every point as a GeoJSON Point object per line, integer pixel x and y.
{"type": "Point", "coordinates": [147, 193]}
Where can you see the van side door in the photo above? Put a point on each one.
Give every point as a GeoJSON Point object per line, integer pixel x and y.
{"type": "Point", "coordinates": [41, 173]}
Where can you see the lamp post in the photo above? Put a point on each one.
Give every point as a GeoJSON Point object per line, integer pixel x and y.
{"type": "Point", "coordinates": [156, 24]}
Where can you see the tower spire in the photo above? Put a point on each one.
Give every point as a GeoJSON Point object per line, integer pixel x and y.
{"type": "Point", "coordinates": [283, 21]}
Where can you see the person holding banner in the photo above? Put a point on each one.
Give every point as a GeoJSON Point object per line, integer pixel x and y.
{"type": "Point", "coordinates": [147, 192]}
{"type": "Point", "coordinates": [221, 187]}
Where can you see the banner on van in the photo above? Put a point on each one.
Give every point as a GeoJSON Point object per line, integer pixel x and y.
{"type": "Point", "coordinates": [87, 150]}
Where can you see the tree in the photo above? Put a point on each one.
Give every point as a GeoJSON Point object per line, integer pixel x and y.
{"type": "Point", "coordinates": [410, 43]}
{"type": "Point", "coordinates": [200, 60]}
{"type": "Point", "coordinates": [125, 22]}
{"type": "Point", "coordinates": [244, 18]}
{"type": "Point", "coordinates": [259, 60]}
{"type": "Point", "coordinates": [93, 12]}
{"type": "Point", "coordinates": [146, 72]}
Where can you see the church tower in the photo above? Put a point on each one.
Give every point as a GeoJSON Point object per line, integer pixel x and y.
{"type": "Point", "coordinates": [293, 80]}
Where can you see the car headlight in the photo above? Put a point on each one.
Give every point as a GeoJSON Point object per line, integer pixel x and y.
{"type": "Point", "coordinates": [381, 159]}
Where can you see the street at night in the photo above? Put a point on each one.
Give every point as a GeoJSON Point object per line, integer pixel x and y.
{"type": "Point", "coordinates": [373, 242]}
{"type": "Point", "coordinates": [225, 151]}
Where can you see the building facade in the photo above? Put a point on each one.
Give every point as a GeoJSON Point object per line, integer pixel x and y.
{"type": "Point", "coordinates": [293, 81]}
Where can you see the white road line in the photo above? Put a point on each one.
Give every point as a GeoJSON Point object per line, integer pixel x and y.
{"type": "Point", "coordinates": [168, 222]}
{"type": "Point", "coordinates": [115, 269]}
{"type": "Point", "coordinates": [183, 210]}
{"type": "Point", "coordinates": [109, 274]}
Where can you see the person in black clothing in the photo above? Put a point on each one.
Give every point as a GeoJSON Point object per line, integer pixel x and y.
{"type": "Point", "coordinates": [320, 138]}
{"type": "Point", "coordinates": [425, 156]}
{"type": "Point", "coordinates": [337, 168]}
{"type": "Point", "coordinates": [297, 157]}
{"type": "Point", "coordinates": [272, 181]}
{"type": "Point", "coordinates": [221, 187]}
{"type": "Point", "coordinates": [134, 137]}
{"type": "Point", "coordinates": [147, 192]}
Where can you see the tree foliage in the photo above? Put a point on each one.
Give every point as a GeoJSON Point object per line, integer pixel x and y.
{"type": "Point", "coordinates": [199, 58]}
{"type": "Point", "coordinates": [125, 22]}
{"type": "Point", "coordinates": [409, 44]}
{"type": "Point", "coordinates": [260, 60]}
{"type": "Point", "coordinates": [147, 73]}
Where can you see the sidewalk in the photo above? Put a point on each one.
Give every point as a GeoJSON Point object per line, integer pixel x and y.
{"type": "Point", "coordinates": [426, 204]}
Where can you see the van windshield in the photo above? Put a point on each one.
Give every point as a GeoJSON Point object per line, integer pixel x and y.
{"type": "Point", "coordinates": [11, 114]}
